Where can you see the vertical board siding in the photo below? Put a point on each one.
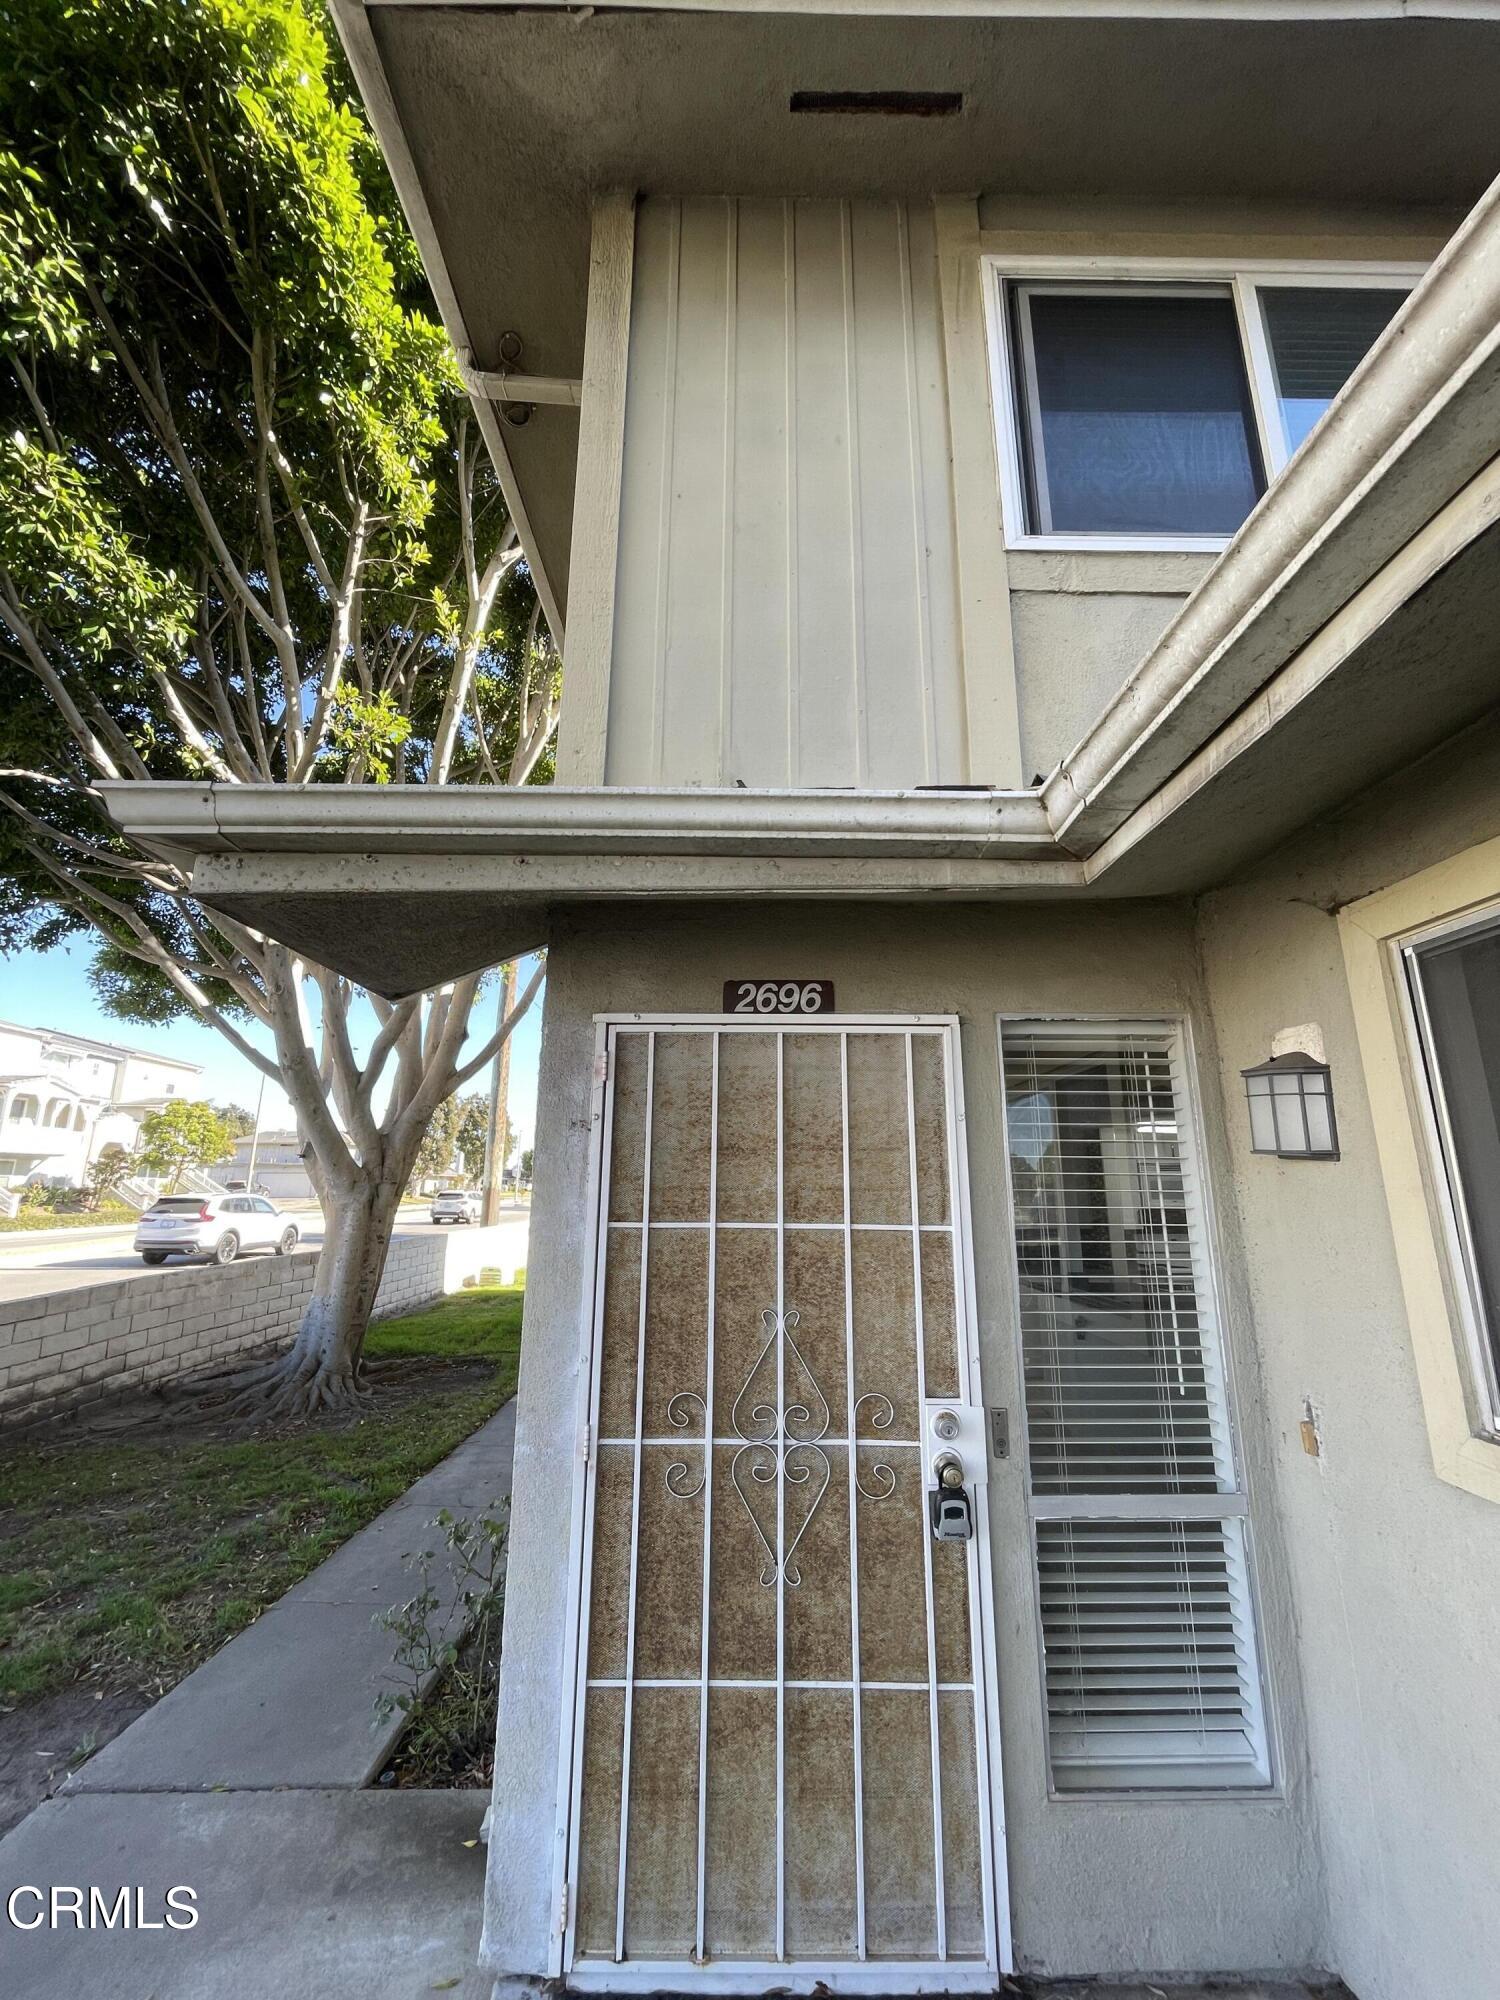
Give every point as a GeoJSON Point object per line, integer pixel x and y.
{"type": "Point", "coordinates": [642, 575]}
{"type": "Point", "coordinates": [787, 604]}
{"type": "Point", "coordinates": [760, 508]}
{"type": "Point", "coordinates": [825, 750]}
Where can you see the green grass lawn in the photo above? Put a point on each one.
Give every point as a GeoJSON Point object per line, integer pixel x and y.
{"type": "Point", "coordinates": [131, 1558]}
{"type": "Point", "coordinates": [116, 1213]}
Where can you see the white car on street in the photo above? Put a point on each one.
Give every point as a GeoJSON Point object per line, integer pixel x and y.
{"type": "Point", "coordinates": [217, 1226]}
{"type": "Point", "coordinates": [455, 1205]}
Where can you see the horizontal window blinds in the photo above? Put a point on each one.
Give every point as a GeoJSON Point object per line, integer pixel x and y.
{"type": "Point", "coordinates": [1147, 1623]}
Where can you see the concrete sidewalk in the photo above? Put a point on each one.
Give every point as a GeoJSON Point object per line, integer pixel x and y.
{"type": "Point", "coordinates": [246, 1785]}
{"type": "Point", "coordinates": [288, 1703]}
{"type": "Point", "coordinates": [308, 1895]}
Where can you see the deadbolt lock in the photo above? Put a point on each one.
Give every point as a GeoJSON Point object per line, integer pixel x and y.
{"type": "Point", "coordinates": [945, 1425]}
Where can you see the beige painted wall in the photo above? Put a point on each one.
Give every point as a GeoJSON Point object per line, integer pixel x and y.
{"type": "Point", "coordinates": [1393, 1568]}
{"type": "Point", "coordinates": [1073, 649]}
{"type": "Point", "coordinates": [1124, 1886]}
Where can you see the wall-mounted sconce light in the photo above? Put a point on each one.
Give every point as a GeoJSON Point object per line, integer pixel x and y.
{"type": "Point", "coordinates": [1291, 1108]}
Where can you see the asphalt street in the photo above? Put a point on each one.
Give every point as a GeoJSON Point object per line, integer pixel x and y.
{"type": "Point", "coordinates": [58, 1261]}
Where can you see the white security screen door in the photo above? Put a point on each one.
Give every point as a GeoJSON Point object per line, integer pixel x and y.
{"type": "Point", "coordinates": [781, 1773]}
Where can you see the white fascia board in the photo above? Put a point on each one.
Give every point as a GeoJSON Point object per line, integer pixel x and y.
{"type": "Point", "coordinates": [597, 821]}
{"type": "Point", "coordinates": [1411, 429]}
{"type": "Point", "coordinates": [353, 26]}
{"type": "Point", "coordinates": [537, 881]}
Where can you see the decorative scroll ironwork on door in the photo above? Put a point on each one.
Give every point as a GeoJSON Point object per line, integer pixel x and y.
{"type": "Point", "coordinates": [782, 1447]}
{"type": "Point", "coordinates": [781, 1757]}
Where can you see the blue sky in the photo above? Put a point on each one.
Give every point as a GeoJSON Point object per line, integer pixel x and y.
{"type": "Point", "coordinates": [51, 989]}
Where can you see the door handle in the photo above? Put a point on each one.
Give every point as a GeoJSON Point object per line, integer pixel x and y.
{"type": "Point", "coordinates": [949, 1505]}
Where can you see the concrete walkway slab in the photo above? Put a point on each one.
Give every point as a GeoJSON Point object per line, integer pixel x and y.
{"type": "Point", "coordinates": [308, 1895]}
{"type": "Point", "coordinates": [1219, 1989]}
{"type": "Point", "coordinates": [289, 1702]}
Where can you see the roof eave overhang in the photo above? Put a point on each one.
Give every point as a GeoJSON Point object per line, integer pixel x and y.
{"type": "Point", "coordinates": [352, 21]}
{"type": "Point", "coordinates": [534, 466]}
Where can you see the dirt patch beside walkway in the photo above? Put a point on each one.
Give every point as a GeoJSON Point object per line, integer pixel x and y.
{"type": "Point", "coordinates": [138, 1540]}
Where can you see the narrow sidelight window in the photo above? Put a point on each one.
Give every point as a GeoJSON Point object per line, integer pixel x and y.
{"type": "Point", "coordinates": [1138, 412]}
{"type": "Point", "coordinates": [1148, 1630]}
{"type": "Point", "coordinates": [1454, 979]}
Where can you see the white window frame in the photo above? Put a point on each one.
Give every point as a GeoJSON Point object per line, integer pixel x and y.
{"type": "Point", "coordinates": [1231, 1503]}
{"type": "Point", "coordinates": [1480, 1341]}
{"type": "Point", "coordinates": [1463, 1430]}
{"type": "Point", "coordinates": [1243, 278]}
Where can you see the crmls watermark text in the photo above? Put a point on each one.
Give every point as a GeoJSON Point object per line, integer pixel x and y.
{"type": "Point", "coordinates": [61, 1908]}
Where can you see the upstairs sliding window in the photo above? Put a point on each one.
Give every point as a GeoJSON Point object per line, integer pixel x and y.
{"type": "Point", "coordinates": [1138, 415]}
{"type": "Point", "coordinates": [1152, 412]}
{"type": "Point", "coordinates": [1148, 1629]}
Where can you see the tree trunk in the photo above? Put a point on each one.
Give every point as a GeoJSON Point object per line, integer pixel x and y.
{"type": "Point", "coordinates": [321, 1369]}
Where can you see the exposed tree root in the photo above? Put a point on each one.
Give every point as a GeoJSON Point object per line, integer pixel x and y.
{"type": "Point", "coordinates": [276, 1388]}
{"type": "Point", "coordinates": [219, 1382]}
{"type": "Point", "coordinates": [300, 1386]}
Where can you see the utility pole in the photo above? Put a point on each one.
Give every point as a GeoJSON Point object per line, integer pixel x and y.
{"type": "Point", "coordinates": [495, 1147]}
{"type": "Point", "coordinates": [255, 1139]}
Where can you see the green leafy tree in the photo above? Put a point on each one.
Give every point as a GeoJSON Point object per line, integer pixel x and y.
{"type": "Point", "coordinates": [182, 1134]}
{"type": "Point", "coordinates": [435, 1155]}
{"type": "Point", "coordinates": [236, 1118]}
{"type": "Point", "coordinates": [248, 535]}
{"type": "Point", "coordinates": [473, 1134]}
{"type": "Point", "coordinates": [111, 1165]}
{"type": "Point", "coordinates": [526, 1159]}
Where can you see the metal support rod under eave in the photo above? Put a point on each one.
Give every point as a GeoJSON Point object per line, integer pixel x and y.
{"type": "Point", "coordinates": [502, 387]}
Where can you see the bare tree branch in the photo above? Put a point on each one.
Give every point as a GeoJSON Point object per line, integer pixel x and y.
{"type": "Point", "coordinates": [41, 666]}
{"type": "Point", "coordinates": [502, 1034]}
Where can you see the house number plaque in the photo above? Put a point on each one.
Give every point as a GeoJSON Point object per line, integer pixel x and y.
{"type": "Point", "coordinates": [778, 996]}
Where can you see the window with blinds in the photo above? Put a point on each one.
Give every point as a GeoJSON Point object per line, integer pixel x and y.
{"type": "Point", "coordinates": [1148, 1629]}
{"type": "Point", "coordinates": [1318, 335]}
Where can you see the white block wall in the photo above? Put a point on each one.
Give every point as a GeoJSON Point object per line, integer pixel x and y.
{"type": "Point", "coordinates": [68, 1348]}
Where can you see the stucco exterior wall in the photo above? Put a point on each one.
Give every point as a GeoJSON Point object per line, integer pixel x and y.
{"type": "Point", "coordinates": [1107, 1887]}
{"type": "Point", "coordinates": [1392, 1568]}
{"type": "Point", "coordinates": [1073, 649]}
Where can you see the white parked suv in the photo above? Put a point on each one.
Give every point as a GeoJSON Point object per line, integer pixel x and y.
{"type": "Point", "coordinates": [217, 1226]}
{"type": "Point", "coordinates": [455, 1205]}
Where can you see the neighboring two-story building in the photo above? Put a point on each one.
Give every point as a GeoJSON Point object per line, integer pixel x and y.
{"type": "Point", "coordinates": [63, 1098]}
{"type": "Point", "coordinates": [273, 1163]}
{"type": "Point", "coordinates": [1008, 1446]}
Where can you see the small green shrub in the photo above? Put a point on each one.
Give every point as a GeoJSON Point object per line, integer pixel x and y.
{"type": "Point", "coordinates": [445, 1670]}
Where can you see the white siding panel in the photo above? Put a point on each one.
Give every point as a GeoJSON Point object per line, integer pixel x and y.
{"type": "Point", "coordinates": [933, 488]}
{"type": "Point", "coordinates": [787, 610]}
{"type": "Point", "coordinates": [689, 724]}
{"type": "Point", "coordinates": [642, 577]}
{"type": "Point", "coordinates": [760, 520]}
{"type": "Point", "coordinates": [825, 696]}
{"type": "Point", "coordinates": [896, 639]}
